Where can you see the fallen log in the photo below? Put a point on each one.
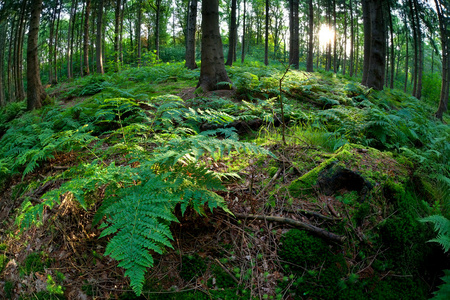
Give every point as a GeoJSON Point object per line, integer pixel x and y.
{"type": "Point", "coordinates": [316, 230]}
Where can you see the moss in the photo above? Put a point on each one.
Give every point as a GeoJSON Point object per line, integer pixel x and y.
{"type": "Point", "coordinates": [192, 267]}
{"type": "Point", "coordinates": [223, 279]}
{"type": "Point", "coordinates": [34, 262]}
{"type": "Point", "coordinates": [8, 289]}
{"type": "Point", "coordinates": [3, 262]}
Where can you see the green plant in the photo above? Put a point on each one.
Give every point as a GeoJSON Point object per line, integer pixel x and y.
{"type": "Point", "coordinates": [442, 227]}
{"type": "Point", "coordinates": [192, 266]}
{"type": "Point", "coordinates": [9, 289]}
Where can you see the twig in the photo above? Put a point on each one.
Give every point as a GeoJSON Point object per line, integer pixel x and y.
{"type": "Point", "coordinates": [226, 270]}
{"type": "Point", "coordinates": [270, 183]}
{"type": "Point", "coordinates": [312, 213]}
{"type": "Point", "coordinates": [319, 231]}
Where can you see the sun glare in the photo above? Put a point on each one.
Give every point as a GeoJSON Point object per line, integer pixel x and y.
{"type": "Point", "coordinates": [326, 34]}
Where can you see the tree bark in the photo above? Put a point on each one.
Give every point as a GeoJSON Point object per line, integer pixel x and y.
{"type": "Point", "coordinates": [335, 66]}
{"type": "Point", "coordinates": [375, 46]}
{"type": "Point", "coordinates": [294, 53]}
{"type": "Point", "coordinates": [2, 58]}
{"type": "Point", "coordinates": [55, 52]}
{"type": "Point", "coordinates": [232, 35]}
{"type": "Point", "coordinates": [243, 35]}
{"type": "Point", "coordinates": [117, 13]}
{"type": "Point", "coordinates": [99, 39]}
{"type": "Point", "coordinates": [443, 9]}
{"type": "Point", "coordinates": [367, 41]}
{"type": "Point", "coordinates": [87, 12]}
{"type": "Point", "coordinates": [420, 51]}
{"type": "Point", "coordinates": [190, 38]}
{"type": "Point", "coordinates": [352, 39]}
{"type": "Point", "coordinates": [266, 39]}
{"type": "Point", "coordinates": [212, 70]}
{"type": "Point", "coordinates": [35, 91]}
{"type": "Point", "coordinates": [138, 32]}
{"type": "Point", "coordinates": [18, 64]}
{"type": "Point", "coordinates": [310, 59]}
{"type": "Point", "coordinates": [391, 31]}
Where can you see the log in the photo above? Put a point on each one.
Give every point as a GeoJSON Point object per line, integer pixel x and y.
{"type": "Point", "coordinates": [316, 230]}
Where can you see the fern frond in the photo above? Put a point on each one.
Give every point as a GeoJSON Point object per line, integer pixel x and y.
{"type": "Point", "coordinates": [442, 227]}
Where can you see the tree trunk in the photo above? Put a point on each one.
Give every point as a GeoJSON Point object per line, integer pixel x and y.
{"type": "Point", "coordinates": [232, 35]}
{"type": "Point", "coordinates": [420, 51]}
{"type": "Point", "coordinates": [35, 92]}
{"type": "Point", "coordinates": [266, 39]}
{"type": "Point", "coordinates": [138, 32]}
{"type": "Point", "coordinates": [55, 52]}
{"type": "Point", "coordinates": [70, 38]}
{"type": "Point", "coordinates": [18, 64]}
{"type": "Point", "coordinates": [86, 38]}
{"type": "Point", "coordinates": [391, 31]}
{"type": "Point", "coordinates": [2, 57]}
{"type": "Point", "coordinates": [335, 67]}
{"type": "Point", "coordinates": [376, 50]}
{"type": "Point", "coordinates": [367, 40]}
{"type": "Point", "coordinates": [310, 59]}
{"type": "Point", "coordinates": [117, 13]}
{"type": "Point", "coordinates": [99, 39]}
{"type": "Point", "coordinates": [443, 8]}
{"type": "Point", "coordinates": [212, 70]}
{"type": "Point", "coordinates": [407, 56]}
{"type": "Point", "coordinates": [243, 34]}
{"type": "Point", "coordinates": [294, 53]}
{"type": "Point", "coordinates": [352, 39]}
{"type": "Point", "coordinates": [191, 31]}
{"type": "Point", "coordinates": [157, 9]}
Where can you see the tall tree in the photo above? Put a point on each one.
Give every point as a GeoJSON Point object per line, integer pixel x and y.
{"type": "Point", "coordinates": [375, 45]}
{"type": "Point", "coordinates": [443, 10]}
{"type": "Point", "coordinates": [310, 58]}
{"type": "Point", "coordinates": [232, 35]}
{"type": "Point", "coordinates": [35, 91]}
{"type": "Point", "coordinates": [86, 38]}
{"type": "Point", "coordinates": [117, 29]}
{"type": "Point", "coordinates": [2, 58]}
{"type": "Point", "coordinates": [156, 6]}
{"type": "Point", "coordinates": [138, 32]}
{"type": "Point", "coordinates": [294, 53]}
{"type": "Point", "coordinates": [212, 71]}
{"type": "Point", "coordinates": [243, 34]}
{"type": "Point", "coordinates": [190, 37]}
{"type": "Point", "coordinates": [99, 39]}
{"type": "Point", "coordinates": [266, 39]}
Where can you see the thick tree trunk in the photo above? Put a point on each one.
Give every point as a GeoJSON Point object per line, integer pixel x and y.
{"type": "Point", "coordinates": [99, 39]}
{"type": "Point", "coordinates": [310, 59]}
{"type": "Point", "coordinates": [212, 70]}
{"type": "Point", "coordinates": [190, 38]}
{"type": "Point", "coordinates": [35, 92]}
{"type": "Point", "coordinates": [87, 12]}
{"type": "Point", "coordinates": [232, 35]}
{"type": "Point", "coordinates": [266, 39]}
{"type": "Point", "coordinates": [376, 50]}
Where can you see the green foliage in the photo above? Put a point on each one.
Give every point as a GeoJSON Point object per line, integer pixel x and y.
{"type": "Point", "coordinates": [3, 262]}
{"type": "Point", "coordinates": [444, 289]}
{"type": "Point", "coordinates": [8, 289]}
{"type": "Point", "coordinates": [442, 227]}
{"type": "Point", "coordinates": [34, 262]}
{"type": "Point", "coordinates": [192, 266]}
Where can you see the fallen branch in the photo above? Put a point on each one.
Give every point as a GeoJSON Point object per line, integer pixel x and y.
{"type": "Point", "coordinates": [316, 230]}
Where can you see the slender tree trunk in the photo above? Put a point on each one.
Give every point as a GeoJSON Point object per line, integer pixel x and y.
{"type": "Point", "coordinates": [310, 59]}
{"type": "Point", "coordinates": [406, 57]}
{"type": "Point", "coordinates": [243, 34]}
{"type": "Point", "coordinates": [232, 35]}
{"type": "Point", "coordinates": [9, 71]}
{"type": "Point", "coordinates": [443, 9]}
{"type": "Point", "coordinates": [212, 70]}
{"type": "Point", "coordinates": [117, 13]}
{"type": "Point", "coordinates": [191, 31]}
{"type": "Point", "coordinates": [391, 27]}
{"type": "Point", "coordinates": [138, 32]}
{"type": "Point", "coordinates": [121, 34]}
{"type": "Point", "coordinates": [86, 38]}
{"type": "Point", "coordinates": [2, 60]}
{"type": "Point", "coordinates": [352, 40]}
{"type": "Point", "coordinates": [69, 39]}
{"type": "Point", "coordinates": [367, 39]}
{"type": "Point", "coordinates": [344, 59]}
{"type": "Point", "coordinates": [99, 39]}
{"type": "Point", "coordinates": [20, 92]}
{"type": "Point", "coordinates": [294, 54]}
{"type": "Point", "coordinates": [157, 8]}
{"type": "Point", "coordinates": [55, 52]}
{"type": "Point", "coordinates": [420, 52]}
{"type": "Point", "coordinates": [266, 39]}
{"type": "Point", "coordinates": [335, 67]}
{"type": "Point", "coordinates": [35, 92]}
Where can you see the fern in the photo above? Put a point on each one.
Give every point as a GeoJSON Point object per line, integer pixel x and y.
{"type": "Point", "coordinates": [444, 290]}
{"type": "Point", "coordinates": [442, 227]}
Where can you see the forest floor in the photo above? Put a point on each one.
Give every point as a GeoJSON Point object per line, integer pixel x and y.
{"type": "Point", "coordinates": [328, 208]}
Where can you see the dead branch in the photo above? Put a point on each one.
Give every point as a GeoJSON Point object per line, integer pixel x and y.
{"type": "Point", "coordinates": [316, 230]}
